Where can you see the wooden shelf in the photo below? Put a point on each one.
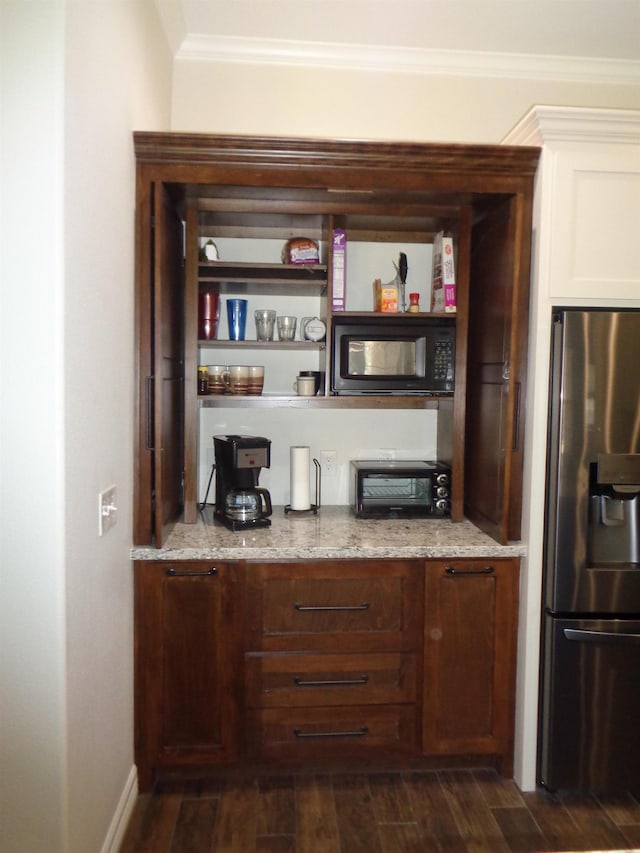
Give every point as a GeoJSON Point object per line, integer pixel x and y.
{"type": "Point", "coordinates": [314, 346]}
{"type": "Point", "coordinates": [272, 279]}
{"type": "Point", "coordinates": [395, 315]}
{"type": "Point", "coordinates": [274, 401]}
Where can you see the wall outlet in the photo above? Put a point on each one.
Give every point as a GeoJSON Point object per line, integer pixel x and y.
{"type": "Point", "coordinates": [107, 510]}
{"type": "Point", "coordinates": [329, 462]}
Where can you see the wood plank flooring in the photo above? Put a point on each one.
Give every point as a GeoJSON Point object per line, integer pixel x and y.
{"type": "Point", "coordinates": [450, 811]}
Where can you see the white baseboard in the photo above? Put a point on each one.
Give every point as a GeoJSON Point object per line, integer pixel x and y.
{"type": "Point", "coordinates": [121, 816]}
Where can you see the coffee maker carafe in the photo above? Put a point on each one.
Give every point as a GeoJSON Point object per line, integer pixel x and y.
{"type": "Point", "coordinates": [240, 503]}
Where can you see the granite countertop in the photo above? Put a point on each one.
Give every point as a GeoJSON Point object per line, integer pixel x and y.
{"type": "Point", "coordinates": [333, 532]}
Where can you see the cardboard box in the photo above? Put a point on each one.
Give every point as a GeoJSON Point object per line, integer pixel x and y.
{"type": "Point", "coordinates": [339, 270]}
{"type": "Point", "coordinates": [385, 297]}
{"type": "Point", "coordinates": [443, 277]}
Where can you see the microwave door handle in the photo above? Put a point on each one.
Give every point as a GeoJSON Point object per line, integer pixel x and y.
{"type": "Point", "coordinates": [579, 635]}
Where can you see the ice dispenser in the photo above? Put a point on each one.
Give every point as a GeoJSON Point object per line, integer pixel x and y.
{"type": "Point", "coordinates": [614, 509]}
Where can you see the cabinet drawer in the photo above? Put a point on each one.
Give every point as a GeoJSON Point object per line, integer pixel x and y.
{"type": "Point", "coordinates": [353, 732]}
{"type": "Point", "coordinates": [314, 680]}
{"type": "Point", "coordinates": [368, 605]}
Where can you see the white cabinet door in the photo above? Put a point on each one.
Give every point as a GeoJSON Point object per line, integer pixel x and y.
{"type": "Point", "coordinates": [595, 227]}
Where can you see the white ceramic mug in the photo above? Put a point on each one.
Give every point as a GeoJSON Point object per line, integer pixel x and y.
{"type": "Point", "coordinates": [305, 386]}
{"type": "Point", "coordinates": [218, 378]}
{"type": "Point", "coordinates": [256, 379]}
{"type": "Point", "coordinates": [238, 378]}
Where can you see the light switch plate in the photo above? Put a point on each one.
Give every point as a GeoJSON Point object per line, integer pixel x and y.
{"type": "Point", "coordinates": [107, 510]}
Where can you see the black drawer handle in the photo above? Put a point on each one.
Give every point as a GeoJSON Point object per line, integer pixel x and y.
{"type": "Point", "coordinates": [308, 607]}
{"type": "Point", "coordinates": [361, 732]}
{"type": "Point", "coordinates": [299, 682]}
{"type": "Point", "coordinates": [172, 573]}
{"type": "Point", "coordinates": [488, 570]}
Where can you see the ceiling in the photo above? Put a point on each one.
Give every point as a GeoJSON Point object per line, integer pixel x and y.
{"type": "Point", "coordinates": [409, 34]}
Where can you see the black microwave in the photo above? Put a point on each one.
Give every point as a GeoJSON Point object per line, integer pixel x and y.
{"type": "Point", "coordinates": [393, 354]}
{"type": "Point", "coordinates": [400, 489]}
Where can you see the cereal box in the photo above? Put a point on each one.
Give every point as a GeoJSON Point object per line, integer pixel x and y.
{"type": "Point", "coordinates": [339, 270]}
{"type": "Point", "coordinates": [443, 278]}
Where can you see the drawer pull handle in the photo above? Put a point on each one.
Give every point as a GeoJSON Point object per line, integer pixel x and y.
{"type": "Point", "coordinates": [300, 682]}
{"type": "Point", "coordinates": [172, 573]}
{"type": "Point", "coordinates": [307, 607]}
{"type": "Point", "coordinates": [488, 570]}
{"type": "Point", "coordinates": [361, 732]}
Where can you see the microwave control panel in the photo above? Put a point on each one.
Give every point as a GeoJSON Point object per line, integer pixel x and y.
{"type": "Point", "coordinates": [443, 362]}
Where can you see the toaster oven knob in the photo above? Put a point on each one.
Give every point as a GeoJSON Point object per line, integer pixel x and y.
{"type": "Point", "coordinates": [442, 492]}
{"type": "Point", "coordinates": [441, 503]}
{"type": "Point", "coordinates": [442, 479]}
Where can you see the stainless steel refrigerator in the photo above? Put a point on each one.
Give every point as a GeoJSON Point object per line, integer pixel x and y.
{"type": "Point", "coordinates": [590, 665]}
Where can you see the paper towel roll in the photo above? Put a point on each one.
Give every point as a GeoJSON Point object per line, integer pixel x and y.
{"type": "Point", "coordinates": [300, 478]}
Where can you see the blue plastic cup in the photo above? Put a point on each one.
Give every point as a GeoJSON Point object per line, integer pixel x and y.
{"type": "Point", "coordinates": [237, 317]}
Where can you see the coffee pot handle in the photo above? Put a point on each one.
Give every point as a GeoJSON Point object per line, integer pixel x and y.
{"type": "Point", "coordinates": [266, 500]}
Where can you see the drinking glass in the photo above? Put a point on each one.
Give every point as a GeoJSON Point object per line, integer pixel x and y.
{"type": "Point", "coordinates": [237, 318]}
{"type": "Point", "coordinates": [265, 322]}
{"type": "Point", "coordinates": [286, 328]}
{"type": "Point", "coordinates": [208, 312]}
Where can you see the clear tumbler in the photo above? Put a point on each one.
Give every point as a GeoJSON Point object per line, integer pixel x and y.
{"type": "Point", "coordinates": [265, 324]}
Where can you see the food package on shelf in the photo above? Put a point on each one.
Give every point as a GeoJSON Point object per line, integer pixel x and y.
{"type": "Point", "coordinates": [443, 278]}
{"type": "Point", "coordinates": [300, 250]}
{"type": "Point", "coordinates": [339, 270]}
{"type": "Point", "coordinates": [385, 297]}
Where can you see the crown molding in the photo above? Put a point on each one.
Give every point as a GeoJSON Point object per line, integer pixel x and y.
{"type": "Point", "coordinates": [359, 57]}
{"type": "Point", "coordinates": [543, 124]}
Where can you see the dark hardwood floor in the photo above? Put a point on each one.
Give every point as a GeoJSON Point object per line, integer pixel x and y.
{"type": "Point", "coordinates": [416, 811]}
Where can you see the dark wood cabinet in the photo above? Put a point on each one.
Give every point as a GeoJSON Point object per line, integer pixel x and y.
{"type": "Point", "coordinates": [332, 658]}
{"type": "Point", "coordinates": [323, 661]}
{"type": "Point", "coordinates": [331, 664]}
{"type": "Point", "coordinates": [470, 633]}
{"type": "Point", "coordinates": [187, 662]}
{"type": "Point", "coordinates": [320, 604]}
{"type": "Point", "coordinates": [254, 187]}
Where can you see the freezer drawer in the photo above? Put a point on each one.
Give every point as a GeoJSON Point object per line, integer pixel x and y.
{"type": "Point", "coordinates": [590, 730]}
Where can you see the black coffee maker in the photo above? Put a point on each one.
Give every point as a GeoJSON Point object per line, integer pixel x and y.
{"type": "Point", "coordinates": [240, 504]}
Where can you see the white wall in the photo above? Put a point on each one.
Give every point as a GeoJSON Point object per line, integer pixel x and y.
{"type": "Point", "coordinates": [217, 97]}
{"type": "Point", "coordinates": [77, 78]}
{"type": "Point", "coordinates": [32, 631]}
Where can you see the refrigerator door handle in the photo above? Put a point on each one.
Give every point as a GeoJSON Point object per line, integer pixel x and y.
{"type": "Point", "coordinates": [581, 636]}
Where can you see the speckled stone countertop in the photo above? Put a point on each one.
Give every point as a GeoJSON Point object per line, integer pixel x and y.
{"type": "Point", "coordinates": [334, 532]}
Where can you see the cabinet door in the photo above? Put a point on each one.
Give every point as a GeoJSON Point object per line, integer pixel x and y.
{"type": "Point", "coordinates": [497, 345]}
{"type": "Point", "coordinates": [470, 653]}
{"type": "Point", "coordinates": [593, 227]}
{"type": "Point", "coordinates": [187, 665]}
{"type": "Point", "coordinates": [160, 409]}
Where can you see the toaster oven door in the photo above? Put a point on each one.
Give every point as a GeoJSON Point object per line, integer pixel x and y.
{"type": "Point", "coordinates": [394, 495]}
